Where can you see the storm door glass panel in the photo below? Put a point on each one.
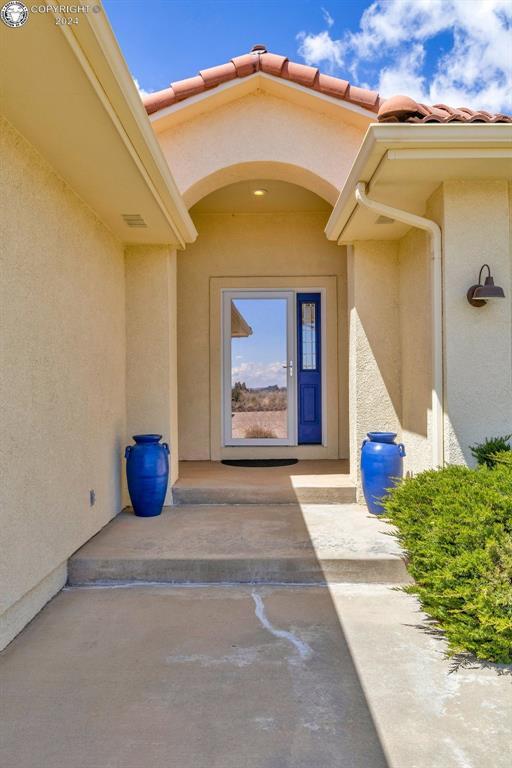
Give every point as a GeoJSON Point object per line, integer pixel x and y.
{"type": "Point", "coordinates": [259, 390]}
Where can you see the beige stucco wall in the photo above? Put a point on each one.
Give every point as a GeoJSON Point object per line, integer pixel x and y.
{"type": "Point", "coordinates": [390, 349]}
{"type": "Point", "coordinates": [415, 349]}
{"type": "Point", "coordinates": [478, 349]}
{"type": "Point", "coordinates": [292, 142]}
{"type": "Point", "coordinates": [374, 342]}
{"type": "Point", "coordinates": [151, 351]}
{"type": "Point", "coordinates": [261, 245]}
{"type": "Point", "coordinates": [62, 360]}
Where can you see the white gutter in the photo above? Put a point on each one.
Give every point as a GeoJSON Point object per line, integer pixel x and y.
{"type": "Point", "coordinates": [455, 153]}
{"type": "Point", "coordinates": [401, 141]}
{"type": "Point", "coordinates": [437, 310]}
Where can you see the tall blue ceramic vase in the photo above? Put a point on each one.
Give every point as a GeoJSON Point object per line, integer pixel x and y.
{"type": "Point", "coordinates": [381, 466]}
{"type": "Point", "coordinates": [147, 471]}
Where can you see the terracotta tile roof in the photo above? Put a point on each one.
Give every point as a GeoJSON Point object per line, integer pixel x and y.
{"type": "Point", "coordinates": [398, 109]}
{"type": "Point", "coordinates": [403, 109]}
{"type": "Point", "coordinates": [260, 60]}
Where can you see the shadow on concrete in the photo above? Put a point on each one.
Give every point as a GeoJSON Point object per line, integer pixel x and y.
{"type": "Point", "coordinates": [459, 661]}
{"type": "Point", "coordinates": [226, 675]}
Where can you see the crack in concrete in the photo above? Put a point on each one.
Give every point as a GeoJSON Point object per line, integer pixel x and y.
{"type": "Point", "coordinates": [462, 759]}
{"type": "Point", "coordinates": [303, 648]}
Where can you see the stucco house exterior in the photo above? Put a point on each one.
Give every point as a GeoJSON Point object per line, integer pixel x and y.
{"type": "Point", "coordinates": [133, 233]}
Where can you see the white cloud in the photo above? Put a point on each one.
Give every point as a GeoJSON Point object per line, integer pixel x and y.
{"type": "Point", "coordinates": [327, 17]}
{"type": "Point", "coordinates": [259, 374]}
{"type": "Point", "coordinates": [141, 91]}
{"type": "Point", "coordinates": [476, 71]}
{"type": "Point", "coordinates": [404, 75]}
{"type": "Point", "coordinates": [317, 49]}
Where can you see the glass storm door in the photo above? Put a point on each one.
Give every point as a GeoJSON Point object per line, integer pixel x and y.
{"type": "Point", "coordinates": [259, 368]}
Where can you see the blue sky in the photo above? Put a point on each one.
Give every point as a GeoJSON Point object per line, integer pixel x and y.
{"type": "Point", "coordinates": [453, 51]}
{"type": "Point", "coordinates": [182, 36]}
{"type": "Point", "coordinates": [258, 359]}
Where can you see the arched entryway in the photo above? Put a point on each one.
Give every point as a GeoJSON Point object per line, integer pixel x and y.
{"type": "Point", "coordinates": [260, 250]}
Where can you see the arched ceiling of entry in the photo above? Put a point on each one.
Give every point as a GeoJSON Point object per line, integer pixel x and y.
{"type": "Point", "coordinates": [257, 171]}
{"type": "Point", "coordinates": [271, 197]}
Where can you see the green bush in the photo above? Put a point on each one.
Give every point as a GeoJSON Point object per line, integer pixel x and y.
{"type": "Point", "coordinates": [484, 452]}
{"type": "Point", "coordinates": [502, 457]}
{"type": "Point", "coordinates": [455, 525]}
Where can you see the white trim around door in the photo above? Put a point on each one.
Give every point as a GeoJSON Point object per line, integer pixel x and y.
{"type": "Point", "coordinates": [334, 385]}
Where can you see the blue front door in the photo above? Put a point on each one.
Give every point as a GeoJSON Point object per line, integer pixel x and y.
{"type": "Point", "coordinates": [309, 367]}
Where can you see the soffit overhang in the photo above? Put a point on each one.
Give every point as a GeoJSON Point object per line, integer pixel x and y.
{"type": "Point", "coordinates": [68, 90]}
{"type": "Point", "coordinates": [403, 164]}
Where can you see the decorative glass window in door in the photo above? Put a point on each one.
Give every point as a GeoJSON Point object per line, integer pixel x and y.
{"type": "Point", "coordinates": [309, 356]}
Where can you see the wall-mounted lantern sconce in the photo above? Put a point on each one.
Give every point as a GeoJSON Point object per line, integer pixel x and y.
{"type": "Point", "coordinates": [478, 295]}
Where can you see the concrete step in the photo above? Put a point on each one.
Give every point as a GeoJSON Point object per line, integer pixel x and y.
{"type": "Point", "coordinates": [278, 544]}
{"type": "Point", "coordinates": [307, 482]}
{"type": "Point", "coordinates": [264, 495]}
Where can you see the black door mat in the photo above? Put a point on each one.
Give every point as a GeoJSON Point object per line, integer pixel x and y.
{"type": "Point", "coordinates": [259, 462]}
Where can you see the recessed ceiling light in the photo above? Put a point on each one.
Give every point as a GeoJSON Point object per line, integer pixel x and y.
{"type": "Point", "coordinates": [259, 192]}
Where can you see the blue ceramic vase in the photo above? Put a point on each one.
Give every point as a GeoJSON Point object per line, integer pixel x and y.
{"type": "Point", "coordinates": [381, 467]}
{"type": "Point", "coordinates": [147, 472]}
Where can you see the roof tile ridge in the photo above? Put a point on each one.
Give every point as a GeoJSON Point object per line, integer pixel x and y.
{"type": "Point", "coordinates": [190, 86]}
{"type": "Point", "coordinates": [363, 97]}
{"type": "Point", "coordinates": [331, 85]}
{"type": "Point", "coordinates": [220, 73]}
{"type": "Point", "coordinates": [246, 64]}
{"type": "Point", "coordinates": [302, 74]}
{"type": "Point", "coordinates": [272, 63]}
{"type": "Point", "coordinates": [159, 99]}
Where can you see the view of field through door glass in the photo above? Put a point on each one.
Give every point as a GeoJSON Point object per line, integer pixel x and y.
{"type": "Point", "coordinates": [259, 393]}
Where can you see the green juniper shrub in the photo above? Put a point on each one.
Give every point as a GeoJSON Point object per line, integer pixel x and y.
{"type": "Point", "coordinates": [455, 525]}
{"type": "Point", "coordinates": [502, 457]}
{"type": "Point", "coordinates": [484, 452]}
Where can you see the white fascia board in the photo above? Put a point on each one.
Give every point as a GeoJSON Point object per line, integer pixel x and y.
{"type": "Point", "coordinates": [392, 141]}
{"type": "Point", "coordinates": [441, 133]}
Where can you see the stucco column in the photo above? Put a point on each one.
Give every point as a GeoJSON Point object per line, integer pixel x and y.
{"type": "Point", "coordinates": [478, 343]}
{"type": "Point", "coordinates": [151, 345]}
{"type": "Point", "coordinates": [374, 343]}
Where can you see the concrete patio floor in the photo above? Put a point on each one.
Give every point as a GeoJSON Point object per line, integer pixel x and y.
{"type": "Point", "coordinates": [244, 677]}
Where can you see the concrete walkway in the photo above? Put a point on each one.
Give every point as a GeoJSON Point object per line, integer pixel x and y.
{"type": "Point", "coordinates": [244, 677]}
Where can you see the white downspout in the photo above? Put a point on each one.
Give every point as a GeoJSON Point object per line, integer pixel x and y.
{"type": "Point", "coordinates": [437, 310]}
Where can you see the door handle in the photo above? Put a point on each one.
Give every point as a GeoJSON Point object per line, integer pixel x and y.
{"type": "Point", "coordinates": [290, 367]}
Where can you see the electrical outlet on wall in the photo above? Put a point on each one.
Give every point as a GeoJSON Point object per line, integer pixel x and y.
{"type": "Point", "coordinates": [92, 497]}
